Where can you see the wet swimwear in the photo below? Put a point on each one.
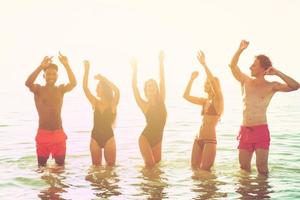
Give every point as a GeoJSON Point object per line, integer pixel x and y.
{"type": "Point", "coordinates": [156, 120]}
{"type": "Point", "coordinates": [102, 130]}
{"type": "Point", "coordinates": [50, 142]}
{"type": "Point", "coordinates": [202, 142]}
{"type": "Point", "coordinates": [254, 137]}
{"type": "Point", "coordinates": [210, 110]}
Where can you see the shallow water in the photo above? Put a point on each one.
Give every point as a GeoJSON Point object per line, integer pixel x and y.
{"type": "Point", "coordinates": [171, 179]}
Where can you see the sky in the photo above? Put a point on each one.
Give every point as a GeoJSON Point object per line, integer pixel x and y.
{"type": "Point", "coordinates": [110, 32]}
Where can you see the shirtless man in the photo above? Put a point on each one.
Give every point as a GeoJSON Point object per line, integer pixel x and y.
{"type": "Point", "coordinates": [257, 92]}
{"type": "Point", "coordinates": [50, 138]}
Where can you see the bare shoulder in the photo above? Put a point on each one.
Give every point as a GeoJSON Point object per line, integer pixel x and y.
{"type": "Point", "coordinates": [40, 88]}
{"type": "Point", "coordinates": [35, 88]}
{"type": "Point", "coordinates": [274, 84]}
{"type": "Point", "coordinates": [248, 80]}
{"type": "Point", "coordinates": [60, 87]}
{"type": "Point", "coordinates": [56, 90]}
{"type": "Point", "coordinates": [280, 87]}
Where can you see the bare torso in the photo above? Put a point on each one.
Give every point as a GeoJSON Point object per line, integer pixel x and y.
{"type": "Point", "coordinates": [48, 101]}
{"type": "Point", "coordinates": [208, 127]}
{"type": "Point", "coordinates": [256, 98]}
{"type": "Point", "coordinates": [209, 122]}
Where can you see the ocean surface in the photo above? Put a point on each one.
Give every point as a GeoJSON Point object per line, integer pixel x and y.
{"type": "Point", "coordinates": [173, 178]}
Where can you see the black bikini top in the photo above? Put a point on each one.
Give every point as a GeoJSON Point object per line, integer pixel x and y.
{"type": "Point", "coordinates": [210, 110]}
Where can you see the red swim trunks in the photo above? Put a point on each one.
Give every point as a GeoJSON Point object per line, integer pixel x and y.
{"type": "Point", "coordinates": [50, 142]}
{"type": "Point", "coordinates": [254, 137]}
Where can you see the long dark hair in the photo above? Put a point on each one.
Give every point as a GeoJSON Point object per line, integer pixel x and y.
{"type": "Point", "coordinates": [211, 88]}
{"type": "Point", "coordinates": [108, 95]}
{"type": "Point", "coordinates": [157, 96]}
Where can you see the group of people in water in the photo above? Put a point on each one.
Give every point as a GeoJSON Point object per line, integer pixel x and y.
{"type": "Point", "coordinates": [253, 136]}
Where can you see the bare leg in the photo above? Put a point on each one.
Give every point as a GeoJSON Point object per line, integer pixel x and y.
{"type": "Point", "coordinates": [208, 156]}
{"type": "Point", "coordinates": [110, 152]}
{"type": "Point", "coordinates": [60, 153]}
{"type": "Point", "coordinates": [245, 157]}
{"type": "Point", "coordinates": [262, 161]}
{"type": "Point", "coordinates": [96, 152]}
{"type": "Point", "coordinates": [157, 152]}
{"type": "Point", "coordinates": [42, 161]}
{"type": "Point", "coordinates": [196, 155]}
{"type": "Point", "coordinates": [146, 151]}
{"type": "Point", "coordinates": [41, 156]}
{"type": "Point", "coordinates": [60, 160]}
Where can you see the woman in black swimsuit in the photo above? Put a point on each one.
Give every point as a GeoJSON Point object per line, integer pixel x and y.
{"type": "Point", "coordinates": [105, 109]}
{"type": "Point", "coordinates": [154, 109]}
{"type": "Point", "coordinates": [204, 148]}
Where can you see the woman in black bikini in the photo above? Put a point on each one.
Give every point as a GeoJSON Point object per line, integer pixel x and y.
{"type": "Point", "coordinates": [154, 109]}
{"type": "Point", "coordinates": [204, 148]}
{"type": "Point", "coordinates": [105, 109]}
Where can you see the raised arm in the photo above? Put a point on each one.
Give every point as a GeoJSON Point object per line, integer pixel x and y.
{"type": "Point", "coordinates": [162, 76]}
{"type": "Point", "coordinates": [112, 86]}
{"type": "Point", "coordinates": [92, 99]}
{"type": "Point", "coordinates": [216, 88]}
{"type": "Point", "coordinates": [289, 85]}
{"type": "Point", "coordinates": [188, 97]}
{"type": "Point", "coordinates": [32, 77]}
{"type": "Point", "coordinates": [213, 82]}
{"type": "Point", "coordinates": [237, 73]}
{"type": "Point", "coordinates": [72, 80]}
{"type": "Point", "coordinates": [141, 103]}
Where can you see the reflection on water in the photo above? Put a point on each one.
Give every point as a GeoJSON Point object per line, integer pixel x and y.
{"type": "Point", "coordinates": [153, 183]}
{"type": "Point", "coordinates": [54, 177]}
{"type": "Point", "coordinates": [104, 181]}
{"type": "Point", "coordinates": [206, 185]}
{"type": "Point", "coordinates": [250, 187]}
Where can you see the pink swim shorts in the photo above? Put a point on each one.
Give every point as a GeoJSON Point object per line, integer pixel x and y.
{"type": "Point", "coordinates": [50, 142]}
{"type": "Point", "coordinates": [254, 137]}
